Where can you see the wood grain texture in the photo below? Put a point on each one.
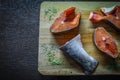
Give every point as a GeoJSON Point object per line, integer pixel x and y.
{"type": "Point", "coordinates": [47, 41]}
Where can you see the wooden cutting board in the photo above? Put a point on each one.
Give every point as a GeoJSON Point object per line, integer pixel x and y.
{"type": "Point", "coordinates": [51, 61]}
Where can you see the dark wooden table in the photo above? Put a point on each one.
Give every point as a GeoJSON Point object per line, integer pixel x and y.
{"type": "Point", "coordinates": [19, 29]}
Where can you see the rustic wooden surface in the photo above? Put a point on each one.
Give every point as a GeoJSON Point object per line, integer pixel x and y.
{"type": "Point", "coordinates": [47, 41]}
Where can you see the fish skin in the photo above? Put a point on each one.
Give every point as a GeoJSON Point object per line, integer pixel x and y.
{"type": "Point", "coordinates": [75, 50]}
